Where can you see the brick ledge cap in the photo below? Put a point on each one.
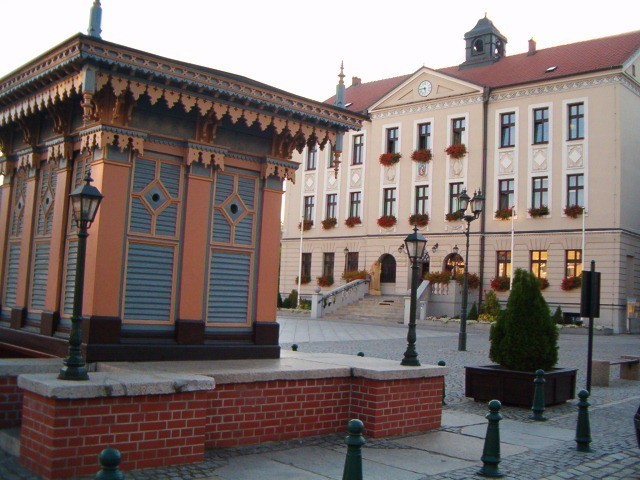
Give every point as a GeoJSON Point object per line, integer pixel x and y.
{"type": "Point", "coordinates": [118, 384]}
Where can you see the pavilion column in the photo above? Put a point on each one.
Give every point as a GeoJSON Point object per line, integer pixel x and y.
{"type": "Point", "coordinates": [19, 313]}
{"type": "Point", "coordinates": [6, 190]}
{"type": "Point", "coordinates": [190, 324]}
{"type": "Point", "coordinates": [266, 327]}
{"type": "Point", "coordinates": [51, 312]}
{"type": "Point", "coordinates": [105, 252]}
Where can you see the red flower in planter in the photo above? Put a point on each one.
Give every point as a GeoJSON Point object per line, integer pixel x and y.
{"type": "Point", "coordinates": [504, 213]}
{"type": "Point", "coordinates": [387, 221]}
{"type": "Point", "coordinates": [544, 283]}
{"type": "Point", "coordinates": [329, 223]}
{"type": "Point", "coordinates": [325, 281]}
{"type": "Point", "coordinates": [539, 212]}
{"type": "Point", "coordinates": [573, 211]}
{"type": "Point", "coordinates": [501, 284]}
{"type": "Point", "coordinates": [453, 216]}
{"type": "Point", "coordinates": [569, 283]}
{"type": "Point", "coordinates": [307, 224]}
{"type": "Point", "coordinates": [419, 219]}
{"type": "Point", "coordinates": [421, 155]}
{"type": "Point", "coordinates": [457, 150]}
{"type": "Point", "coordinates": [388, 159]}
{"type": "Point", "coordinates": [352, 221]}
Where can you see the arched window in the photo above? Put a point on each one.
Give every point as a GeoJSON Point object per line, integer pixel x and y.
{"type": "Point", "coordinates": [388, 266]}
{"type": "Point", "coordinates": [453, 263]}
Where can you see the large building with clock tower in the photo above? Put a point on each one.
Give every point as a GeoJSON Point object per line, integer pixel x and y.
{"type": "Point", "coordinates": [547, 135]}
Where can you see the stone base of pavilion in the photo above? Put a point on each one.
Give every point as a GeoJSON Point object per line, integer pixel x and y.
{"type": "Point", "coordinates": [166, 413]}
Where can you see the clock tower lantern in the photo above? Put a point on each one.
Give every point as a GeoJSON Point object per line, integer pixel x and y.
{"type": "Point", "coordinates": [484, 44]}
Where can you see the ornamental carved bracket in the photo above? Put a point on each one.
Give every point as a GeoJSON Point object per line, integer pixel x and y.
{"type": "Point", "coordinates": [30, 129]}
{"type": "Point", "coordinates": [62, 115]}
{"type": "Point", "coordinates": [205, 155]}
{"type": "Point", "coordinates": [281, 171]}
{"type": "Point", "coordinates": [122, 140]}
{"type": "Point", "coordinates": [61, 149]}
{"type": "Point", "coordinates": [27, 159]}
{"type": "Point", "coordinates": [207, 127]}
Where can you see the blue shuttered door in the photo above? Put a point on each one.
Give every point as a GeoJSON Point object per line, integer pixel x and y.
{"type": "Point", "coordinates": [149, 282]}
{"type": "Point", "coordinates": [11, 285]}
{"type": "Point", "coordinates": [229, 274]}
{"type": "Point", "coordinates": [40, 274]}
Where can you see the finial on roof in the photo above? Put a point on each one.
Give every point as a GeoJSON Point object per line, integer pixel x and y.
{"type": "Point", "coordinates": [341, 75]}
{"type": "Point", "coordinates": [95, 20]}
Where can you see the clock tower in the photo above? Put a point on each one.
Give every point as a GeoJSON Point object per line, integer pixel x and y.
{"type": "Point", "coordinates": [484, 45]}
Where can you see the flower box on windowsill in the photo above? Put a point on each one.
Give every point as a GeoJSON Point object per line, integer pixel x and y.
{"type": "Point", "coordinates": [307, 224]}
{"type": "Point", "coordinates": [387, 221]}
{"type": "Point", "coordinates": [355, 275]}
{"type": "Point", "coordinates": [388, 159]}
{"type": "Point", "coordinates": [325, 281]}
{"type": "Point", "coordinates": [501, 284]}
{"type": "Point", "coordinates": [457, 150]}
{"type": "Point", "coordinates": [422, 155]}
{"type": "Point", "coordinates": [352, 221]}
{"type": "Point", "coordinates": [454, 216]}
{"type": "Point", "coordinates": [569, 283]}
{"type": "Point", "coordinates": [539, 212]}
{"type": "Point", "coordinates": [504, 213]}
{"type": "Point", "coordinates": [329, 223]}
{"type": "Point", "coordinates": [419, 220]}
{"type": "Point", "coordinates": [305, 279]}
{"type": "Point", "coordinates": [574, 211]}
{"type": "Point", "coordinates": [544, 283]}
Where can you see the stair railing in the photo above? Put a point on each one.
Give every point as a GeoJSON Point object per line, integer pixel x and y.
{"type": "Point", "coordinates": [422, 296]}
{"type": "Point", "coordinates": [338, 297]}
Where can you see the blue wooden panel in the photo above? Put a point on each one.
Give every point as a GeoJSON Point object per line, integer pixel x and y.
{"type": "Point", "coordinates": [39, 276]}
{"type": "Point", "coordinates": [170, 177]}
{"type": "Point", "coordinates": [244, 231]}
{"type": "Point", "coordinates": [221, 228]}
{"type": "Point", "coordinates": [224, 187]}
{"type": "Point", "coordinates": [140, 217]}
{"type": "Point", "coordinates": [70, 278]}
{"type": "Point", "coordinates": [166, 221]}
{"type": "Point", "coordinates": [145, 173]}
{"type": "Point", "coordinates": [11, 284]}
{"type": "Point", "coordinates": [247, 191]}
{"type": "Point", "coordinates": [149, 282]}
{"type": "Point", "coordinates": [229, 277]}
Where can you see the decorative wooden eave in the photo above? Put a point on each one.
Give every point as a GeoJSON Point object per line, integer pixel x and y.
{"type": "Point", "coordinates": [102, 136]}
{"type": "Point", "coordinates": [58, 74]}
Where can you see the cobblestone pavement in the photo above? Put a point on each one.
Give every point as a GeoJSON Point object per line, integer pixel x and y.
{"type": "Point", "coordinates": [615, 452]}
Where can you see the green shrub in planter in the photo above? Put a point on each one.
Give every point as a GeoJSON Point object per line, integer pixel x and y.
{"type": "Point", "coordinates": [491, 305]}
{"type": "Point", "coordinates": [293, 298]}
{"type": "Point", "coordinates": [524, 337]}
{"type": "Point", "coordinates": [473, 312]}
{"type": "Point", "coordinates": [557, 317]}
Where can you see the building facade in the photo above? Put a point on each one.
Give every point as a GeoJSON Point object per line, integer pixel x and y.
{"type": "Point", "coordinates": [182, 256]}
{"type": "Point", "coordinates": [548, 134]}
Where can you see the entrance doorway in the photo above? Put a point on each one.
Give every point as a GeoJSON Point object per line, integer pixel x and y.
{"type": "Point", "coordinates": [454, 264]}
{"type": "Point", "coordinates": [388, 269]}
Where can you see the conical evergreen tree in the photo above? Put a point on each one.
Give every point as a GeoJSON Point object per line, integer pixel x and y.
{"type": "Point", "coordinates": [524, 336]}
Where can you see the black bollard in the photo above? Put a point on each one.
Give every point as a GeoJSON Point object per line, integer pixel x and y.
{"type": "Point", "coordinates": [583, 429]}
{"type": "Point", "coordinates": [538, 398]}
{"type": "Point", "coordinates": [442, 364]}
{"type": "Point", "coordinates": [109, 459]}
{"type": "Point", "coordinates": [294, 347]}
{"type": "Point", "coordinates": [491, 451]}
{"type": "Point", "coordinates": [354, 441]}
{"type": "Point", "coordinates": [361, 354]}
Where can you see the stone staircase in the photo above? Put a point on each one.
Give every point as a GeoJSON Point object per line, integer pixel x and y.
{"type": "Point", "coordinates": [386, 308]}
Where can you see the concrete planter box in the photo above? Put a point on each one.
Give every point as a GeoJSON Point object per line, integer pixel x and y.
{"type": "Point", "coordinates": [511, 387]}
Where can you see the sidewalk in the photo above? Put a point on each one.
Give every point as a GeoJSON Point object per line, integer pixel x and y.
{"type": "Point", "coordinates": [530, 450]}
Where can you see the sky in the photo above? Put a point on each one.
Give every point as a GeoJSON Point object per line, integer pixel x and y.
{"type": "Point", "coordinates": [298, 46]}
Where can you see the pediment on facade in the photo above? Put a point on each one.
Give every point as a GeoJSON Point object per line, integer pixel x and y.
{"type": "Point", "coordinates": [432, 84]}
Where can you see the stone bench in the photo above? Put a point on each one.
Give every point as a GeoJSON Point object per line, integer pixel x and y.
{"type": "Point", "coordinates": [629, 369]}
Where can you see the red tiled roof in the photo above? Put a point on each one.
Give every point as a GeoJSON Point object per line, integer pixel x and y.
{"type": "Point", "coordinates": [360, 97]}
{"type": "Point", "coordinates": [571, 59]}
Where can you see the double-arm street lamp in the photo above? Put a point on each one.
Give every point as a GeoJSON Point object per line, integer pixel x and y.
{"type": "Point", "coordinates": [415, 245]}
{"type": "Point", "coordinates": [471, 208]}
{"type": "Point", "coordinates": [85, 201]}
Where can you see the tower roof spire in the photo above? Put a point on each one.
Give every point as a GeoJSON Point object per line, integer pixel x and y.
{"type": "Point", "coordinates": [95, 20]}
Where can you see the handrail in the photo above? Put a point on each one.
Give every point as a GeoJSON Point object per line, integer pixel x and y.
{"type": "Point", "coordinates": [338, 297]}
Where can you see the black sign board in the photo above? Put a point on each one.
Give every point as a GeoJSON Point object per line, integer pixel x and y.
{"type": "Point", "coordinates": [590, 294]}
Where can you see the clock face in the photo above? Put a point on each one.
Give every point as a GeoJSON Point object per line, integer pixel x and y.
{"type": "Point", "coordinates": [424, 88]}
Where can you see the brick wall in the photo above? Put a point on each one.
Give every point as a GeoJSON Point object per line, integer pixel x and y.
{"type": "Point", "coordinates": [396, 407]}
{"type": "Point", "coordinates": [10, 402]}
{"type": "Point", "coordinates": [247, 413]}
{"type": "Point", "coordinates": [62, 438]}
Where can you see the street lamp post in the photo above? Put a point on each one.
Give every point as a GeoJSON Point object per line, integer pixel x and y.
{"type": "Point", "coordinates": [471, 210]}
{"type": "Point", "coordinates": [415, 245]}
{"type": "Point", "coordinates": [85, 201]}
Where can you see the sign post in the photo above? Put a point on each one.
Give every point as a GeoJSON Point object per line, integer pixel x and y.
{"type": "Point", "coordinates": [590, 307]}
